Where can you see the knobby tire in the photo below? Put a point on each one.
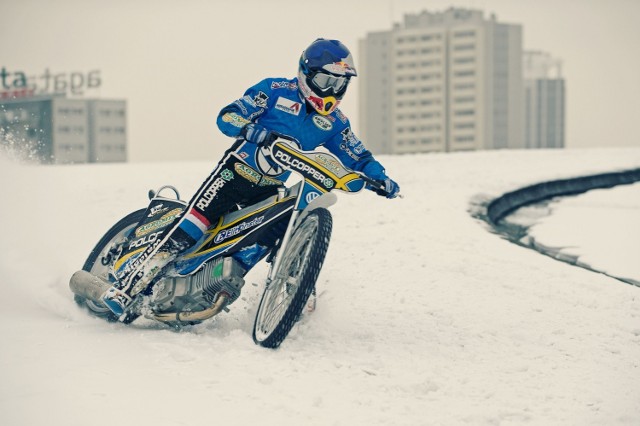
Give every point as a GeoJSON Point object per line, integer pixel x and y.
{"type": "Point", "coordinates": [293, 268]}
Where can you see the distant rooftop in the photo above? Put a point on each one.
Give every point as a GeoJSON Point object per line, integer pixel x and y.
{"type": "Point", "coordinates": [449, 17]}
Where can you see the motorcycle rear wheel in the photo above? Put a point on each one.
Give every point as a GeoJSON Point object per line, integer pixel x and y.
{"type": "Point", "coordinates": [286, 295]}
{"type": "Point", "coordinates": [96, 266]}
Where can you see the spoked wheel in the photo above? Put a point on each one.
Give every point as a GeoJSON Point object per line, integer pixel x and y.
{"type": "Point", "coordinates": [101, 258]}
{"type": "Point", "coordinates": [286, 295]}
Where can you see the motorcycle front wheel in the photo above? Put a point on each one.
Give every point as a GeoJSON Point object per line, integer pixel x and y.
{"type": "Point", "coordinates": [286, 295]}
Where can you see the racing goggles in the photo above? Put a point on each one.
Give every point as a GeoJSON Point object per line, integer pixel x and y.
{"type": "Point", "coordinates": [325, 82]}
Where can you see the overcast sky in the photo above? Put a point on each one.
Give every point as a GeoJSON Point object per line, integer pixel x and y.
{"type": "Point", "coordinates": [178, 62]}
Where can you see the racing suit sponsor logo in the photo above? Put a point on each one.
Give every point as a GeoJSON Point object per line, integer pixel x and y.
{"type": "Point", "coordinates": [205, 199]}
{"type": "Point", "coordinates": [288, 106]}
{"type": "Point", "coordinates": [351, 144]}
{"type": "Point", "coordinates": [157, 224]}
{"type": "Point", "coordinates": [232, 232]}
{"type": "Point", "coordinates": [253, 176]}
{"type": "Point", "coordinates": [261, 99]}
{"type": "Point", "coordinates": [265, 162]}
{"type": "Point", "coordinates": [341, 116]}
{"type": "Point", "coordinates": [284, 85]}
{"type": "Point", "coordinates": [247, 99]}
{"type": "Point", "coordinates": [304, 168]}
{"type": "Point", "coordinates": [240, 105]}
{"type": "Point", "coordinates": [258, 101]}
{"type": "Point", "coordinates": [235, 119]}
{"type": "Point", "coordinates": [322, 123]}
{"type": "Point", "coordinates": [258, 113]}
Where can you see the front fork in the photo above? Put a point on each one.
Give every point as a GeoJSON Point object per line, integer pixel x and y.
{"type": "Point", "coordinates": [275, 265]}
{"type": "Point", "coordinates": [325, 200]}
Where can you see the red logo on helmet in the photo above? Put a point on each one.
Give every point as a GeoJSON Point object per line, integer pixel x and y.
{"type": "Point", "coordinates": [317, 102]}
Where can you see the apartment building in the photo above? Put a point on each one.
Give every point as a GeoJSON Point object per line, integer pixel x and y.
{"type": "Point", "coordinates": [544, 101]}
{"type": "Point", "coordinates": [55, 129]}
{"type": "Point", "coordinates": [442, 82]}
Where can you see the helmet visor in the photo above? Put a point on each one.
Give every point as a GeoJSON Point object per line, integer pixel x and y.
{"type": "Point", "coordinates": [326, 82]}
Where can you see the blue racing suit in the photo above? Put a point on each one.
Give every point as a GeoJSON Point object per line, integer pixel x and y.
{"type": "Point", "coordinates": [246, 174]}
{"type": "Point", "coordinates": [276, 104]}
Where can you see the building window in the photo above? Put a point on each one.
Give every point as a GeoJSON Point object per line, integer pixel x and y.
{"type": "Point", "coordinates": [464, 99]}
{"type": "Point", "coordinates": [429, 89]}
{"type": "Point", "coordinates": [430, 128]}
{"type": "Point", "coordinates": [465, 73]}
{"type": "Point", "coordinates": [430, 76]}
{"type": "Point", "coordinates": [430, 63]}
{"type": "Point", "coordinates": [464, 86]}
{"type": "Point", "coordinates": [461, 47]}
{"type": "Point", "coordinates": [464, 60]}
{"type": "Point", "coordinates": [410, 90]}
{"type": "Point", "coordinates": [463, 34]}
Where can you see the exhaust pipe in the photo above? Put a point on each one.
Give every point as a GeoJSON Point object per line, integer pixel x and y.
{"type": "Point", "coordinates": [91, 287]}
{"type": "Point", "coordinates": [196, 316]}
{"type": "Point", "coordinates": [88, 286]}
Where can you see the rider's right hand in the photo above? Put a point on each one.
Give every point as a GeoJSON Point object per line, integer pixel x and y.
{"type": "Point", "coordinates": [257, 134]}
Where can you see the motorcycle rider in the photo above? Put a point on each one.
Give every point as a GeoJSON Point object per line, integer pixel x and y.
{"type": "Point", "coordinates": [304, 109]}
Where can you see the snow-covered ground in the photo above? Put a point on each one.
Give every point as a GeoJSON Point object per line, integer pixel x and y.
{"type": "Point", "coordinates": [424, 317]}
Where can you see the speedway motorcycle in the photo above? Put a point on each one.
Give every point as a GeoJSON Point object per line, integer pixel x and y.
{"type": "Point", "coordinates": [206, 279]}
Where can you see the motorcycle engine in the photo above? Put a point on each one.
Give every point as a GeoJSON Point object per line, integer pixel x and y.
{"type": "Point", "coordinates": [198, 291]}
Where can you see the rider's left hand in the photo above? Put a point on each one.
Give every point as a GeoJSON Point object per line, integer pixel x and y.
{"type": "Point", "coordinates": [391, 188]}
{"type": "Point", "coordinates": [388, 188]}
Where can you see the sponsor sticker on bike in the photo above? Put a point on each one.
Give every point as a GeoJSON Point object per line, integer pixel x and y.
{"type": "Point", "coordinates": [329, 163]}
{"type": "Point", "coordinates": [157, 224]}
{"type": "Point", "coordinates": [236, 230]}
{"type": "Point", "coordinates": [311, 196]}
{"type": "Point", "coordinates": [303, 166]}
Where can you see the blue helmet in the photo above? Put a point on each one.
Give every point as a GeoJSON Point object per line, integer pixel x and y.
{"type": "Point", "coordinates": [326, 67]}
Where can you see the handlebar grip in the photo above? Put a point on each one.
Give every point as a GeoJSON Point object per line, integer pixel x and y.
{"type": "Point", "coordinates": [378, 187]}
{"type": "Point", "coordinates": [372, 182]}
